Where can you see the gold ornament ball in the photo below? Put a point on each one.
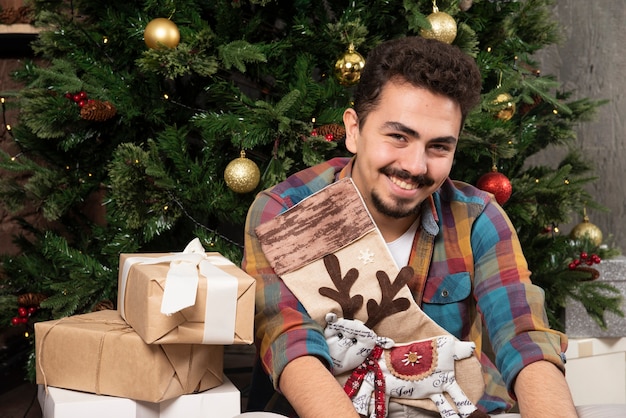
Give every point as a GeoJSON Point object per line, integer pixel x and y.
{"type": "Point", "coordinates": [348, 67]}
{"type": "Point", "coordinates": [242, 175]}
{"type": "Point", "coordinates": [161, 32]}
{"type": "Point", "coordinates": [587, 230]}
{"type": "Point", "coordinates": [505, 106]}
{"type": "Point", "coordinates": [443, 27]}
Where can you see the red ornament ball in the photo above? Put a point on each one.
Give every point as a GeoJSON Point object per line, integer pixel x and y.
{"type": "Point", "coordinates": [497, 184]}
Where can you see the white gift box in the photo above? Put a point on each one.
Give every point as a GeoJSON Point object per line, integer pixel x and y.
{"type": "Point", "coordinates": [223, 401]}
{"type": "Point", "coordinates": [595, 370]}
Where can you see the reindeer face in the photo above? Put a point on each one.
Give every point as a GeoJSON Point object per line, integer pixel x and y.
{"type": "Point", "coordinates": [349, 343]}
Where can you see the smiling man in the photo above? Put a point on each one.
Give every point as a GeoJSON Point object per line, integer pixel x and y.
{"type": "Point", "coordinates": [470, 275]}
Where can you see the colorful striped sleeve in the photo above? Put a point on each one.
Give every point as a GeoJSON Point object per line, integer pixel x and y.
{"type": "Point", "coordinates": [284, 330]}
{"type": "Point", "coordinates": [511, 305]}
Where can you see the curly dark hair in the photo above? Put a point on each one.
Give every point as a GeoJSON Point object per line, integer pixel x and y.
{"type": "Point", "coordinates": [436, 66]}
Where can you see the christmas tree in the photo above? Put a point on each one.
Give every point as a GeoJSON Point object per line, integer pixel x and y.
{"type": "Point", "coordinates": [170, 116]}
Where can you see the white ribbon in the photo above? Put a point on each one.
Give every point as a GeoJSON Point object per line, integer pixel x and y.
{"type": "Point", "coordinates": [181, 286]}
{"type": "Point", "coordinates": [181, 283]}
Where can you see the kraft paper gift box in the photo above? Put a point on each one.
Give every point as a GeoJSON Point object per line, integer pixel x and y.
{"type": "Point", "coordinates": [100, 353]}
{"type": "Point", "coordinates": [223, 401]}
{"type": "Point", "coordinates": [211, 299]}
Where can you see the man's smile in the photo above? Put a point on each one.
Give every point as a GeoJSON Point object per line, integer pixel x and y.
{"type": "Point", "coordinates": [403, 184]}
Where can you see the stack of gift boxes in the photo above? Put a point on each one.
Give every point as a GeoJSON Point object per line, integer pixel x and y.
{"type": "Point", "coordinates": [160, 354]}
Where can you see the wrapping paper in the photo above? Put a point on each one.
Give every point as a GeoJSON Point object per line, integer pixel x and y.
{"type": "Point", "coordinates": [218, 315]}
{"type": "Point", "coordinates": [578, 322]}
{"type": "Point", "coordinates": [100, 353]}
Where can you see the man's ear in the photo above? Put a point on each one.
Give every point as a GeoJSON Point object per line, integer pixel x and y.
{"type": "Point", "coordinates": [351, 123]}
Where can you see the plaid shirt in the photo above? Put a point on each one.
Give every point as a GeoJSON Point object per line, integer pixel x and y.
{"type": "Point", "coordinates": [470, 276]}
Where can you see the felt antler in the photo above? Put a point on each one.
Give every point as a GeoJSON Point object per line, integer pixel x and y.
{"type": "Point", "coordinates": [349, 305]}
{"type": "Point", "coordinates": [388, 305]}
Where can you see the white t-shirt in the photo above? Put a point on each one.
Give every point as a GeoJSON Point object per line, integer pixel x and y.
{"type": "Point", "coordinates": [401, 248]}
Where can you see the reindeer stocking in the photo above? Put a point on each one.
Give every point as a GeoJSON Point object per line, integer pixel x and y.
{"type": "Point", "coordinates": [380, 340]}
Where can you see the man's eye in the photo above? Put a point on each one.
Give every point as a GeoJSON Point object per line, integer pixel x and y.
{"type": "Point", "coordinates": [441, 147]}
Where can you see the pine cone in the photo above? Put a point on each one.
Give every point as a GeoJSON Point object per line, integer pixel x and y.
{"type": "Point", "coordinates": [527, 107]}
{"type": "Point", "coordinates": [337, 131]}
{"type": "Point", "coordinates": [25, 14]}
{"type": "Point", "coordinates": [103, 305]}
{"type": "Point", "coordinates": [9, 16]}
{"type": "Point", "coordinates": [30, 299]}
{"type": "Point", "coordinates": [98, 111]}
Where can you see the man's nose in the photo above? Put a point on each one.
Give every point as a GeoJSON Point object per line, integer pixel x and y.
{"type": "Point", "coordinates": [413, 160]}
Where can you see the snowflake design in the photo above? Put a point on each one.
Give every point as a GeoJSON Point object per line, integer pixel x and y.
{"type": "Point", "coordinates": [411, 358]}
{"type": "Point", "coordinates": [366, 256]}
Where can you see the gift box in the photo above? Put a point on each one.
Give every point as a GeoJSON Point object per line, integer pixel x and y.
{"type": "Point", "coordinates": [578, 323]}
{"type": "Point", "coordinates": [223, 401]}
{"type": "Point", "coordinates": [591, 370]}
{"type": "Point", "coordinates": [210, 300]}
{"type": "Point", "coordinates": [100, 353]}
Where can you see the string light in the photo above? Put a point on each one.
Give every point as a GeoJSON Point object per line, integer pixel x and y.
{"type": "Point", "coordinates": [4, 118]}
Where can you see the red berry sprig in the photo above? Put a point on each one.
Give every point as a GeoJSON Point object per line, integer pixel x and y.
{"type": "Point", "coordinates": [79, 98]}
{"type": "Point", "coordinates": [23, 314]}
{"type": "Point", "coordinates": [585, 259]}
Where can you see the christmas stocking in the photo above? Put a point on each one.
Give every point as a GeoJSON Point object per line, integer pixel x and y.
{"type": "Point", "coordinates": [330, 254]}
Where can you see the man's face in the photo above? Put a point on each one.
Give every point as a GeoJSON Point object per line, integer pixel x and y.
{"type": "Point", "coordinates": [405, 149]}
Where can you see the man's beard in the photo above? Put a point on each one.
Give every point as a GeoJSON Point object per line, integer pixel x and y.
{"type": "Point", "coordinates": [401, 208]}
